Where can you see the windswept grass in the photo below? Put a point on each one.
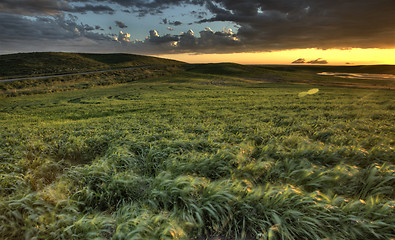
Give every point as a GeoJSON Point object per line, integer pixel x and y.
{"type": "Point", "coordinates": [84, 81]}
{"type": "Point", "coordinates": [194, 157]}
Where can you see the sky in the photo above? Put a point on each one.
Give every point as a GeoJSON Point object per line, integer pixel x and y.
{"type": "Point", "coordinates": [334, 32]}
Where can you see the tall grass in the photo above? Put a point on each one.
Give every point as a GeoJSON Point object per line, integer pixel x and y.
{"type": "Point", "coordinates": [181, 158]}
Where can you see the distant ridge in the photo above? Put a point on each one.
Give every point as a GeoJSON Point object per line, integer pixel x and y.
{"type": "Point", "coordinates": [385, 69]}
{"type": "Point", "coordinates": [246, 70]}
{"type": "Point", "coordinates": [41, 63]}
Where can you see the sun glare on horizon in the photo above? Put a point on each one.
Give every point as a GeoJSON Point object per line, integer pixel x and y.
{"type": "Point", "coordinates": [354, 56]}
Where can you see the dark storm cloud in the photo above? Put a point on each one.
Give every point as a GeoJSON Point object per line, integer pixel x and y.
{"type": "Point", "coordinates": [31, 7]}
{"type": "Point", "coordinates": [210, 40]}
{"type": "Point", "coordinates": [98, 9]}
{"type": "Point", "coordinates": [17, 27]}
{"type": "Point", "coordinates": [49, 7]}
{"type": "Point", "coordinates": [153, 4]}
{"type": "Point", "coordinates": [284, 24]}
{"type": "Point", "coordinates": [120, 24]}
{"type": "Point", "coordinates": [19, 33]}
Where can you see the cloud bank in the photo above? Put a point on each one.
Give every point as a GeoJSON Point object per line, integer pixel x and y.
{"type": "Point", "coordinates": [299, 60]}
{"type": "Point", "coordinates": [285, 24]}
{"type": "Point", "coordinates": [315, 61]}
{"type": "Point", "coordinates": [50, 7]}
{"type": "Point", "coordinates": [318, 61]}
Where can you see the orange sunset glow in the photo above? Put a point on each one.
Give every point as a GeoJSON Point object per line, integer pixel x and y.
{"type": "Point", "coordinates": [355, 56]}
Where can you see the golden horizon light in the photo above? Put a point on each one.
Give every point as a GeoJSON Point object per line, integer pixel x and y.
{"type": "Point", "coordinates": [354, 56]}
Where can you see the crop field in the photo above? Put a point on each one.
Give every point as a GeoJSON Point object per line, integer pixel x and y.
{"type": "Point", "coordinates": [199, 156]}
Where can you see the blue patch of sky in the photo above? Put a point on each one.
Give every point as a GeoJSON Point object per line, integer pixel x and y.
{"type": "Point", "coordinates": [139, 27]}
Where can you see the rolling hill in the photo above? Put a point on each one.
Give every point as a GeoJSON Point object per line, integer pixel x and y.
{"type": "Point", "coordinates": [28, 64]}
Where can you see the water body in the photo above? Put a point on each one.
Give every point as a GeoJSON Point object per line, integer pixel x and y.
{"type": "Point", "coordinates": [374, 76]}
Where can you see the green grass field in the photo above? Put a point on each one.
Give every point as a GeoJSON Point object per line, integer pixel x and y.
{"type": "Point", "coordinates": [44, 63]}
{"type": "Point", "coordinates": [200, 155]}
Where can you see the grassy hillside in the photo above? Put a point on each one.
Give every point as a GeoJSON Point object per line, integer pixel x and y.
{"type": "Point", "coordinates": [228, 69]}
{"type": "Point", "coordinates": [297, 74]}
{"type": "Point", "coordinates": [75, 82]}
{"type": "Point", "coordinates": [198, 156]}
{"type": "Point", "coordinates": [213, 74]}
{"type": "Point", "coordinates": [234, 68]}
{"type": "Point", "coordinates": [27, 64]}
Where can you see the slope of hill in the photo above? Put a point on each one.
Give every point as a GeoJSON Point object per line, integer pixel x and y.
{"type": "Point", "coordinates": [300, 74]}
{"type": "Point", "coordinates": [245, 70]}
{"type": "Point", "coordinates": [27, 64]}
{"type": "Point", "coordinates": [228, 69]}
{"type": "Point", "coordinates": [36, 64]}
